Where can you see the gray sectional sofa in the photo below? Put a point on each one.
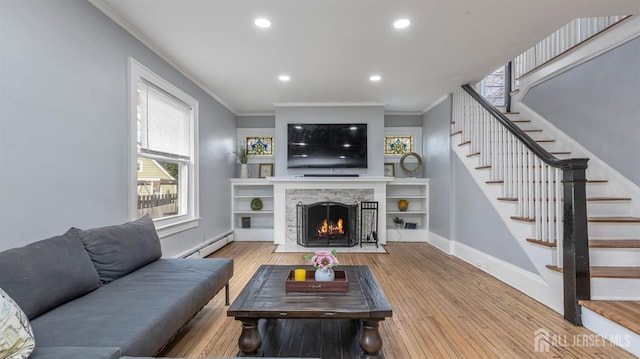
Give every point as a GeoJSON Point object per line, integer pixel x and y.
{"type": "Point", "coordinates": [105, 293]}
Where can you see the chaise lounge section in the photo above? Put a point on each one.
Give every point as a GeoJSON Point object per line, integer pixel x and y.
{"type": "Point", "coordinates": [106, 293]}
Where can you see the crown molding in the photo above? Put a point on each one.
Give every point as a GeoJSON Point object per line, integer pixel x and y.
{"type": "Point", "coordinates": [328, 104]}
{"type": "Point", "coordinates": [133, 31]}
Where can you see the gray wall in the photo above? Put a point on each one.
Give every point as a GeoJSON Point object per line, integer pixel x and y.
{"type": "Point", "coordinates": [256, 121]}
{"type": "Point", "coordinates": [373, 116]}
{"type": "Point", "coordinates": [437, 166]}
{"type": "Point", "coordinates": [598, 105]}
{"type": "Point", "coordinates": [64, 128]}
{"type": "Point", "coordinates": [477, 224]}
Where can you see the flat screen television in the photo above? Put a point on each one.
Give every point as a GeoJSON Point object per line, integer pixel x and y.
{"type": "Point", "coordinates": [326, 145]}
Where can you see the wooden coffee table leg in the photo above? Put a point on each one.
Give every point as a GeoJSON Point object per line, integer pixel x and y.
{"type": "Point", "coordinates": [250, 340]}
{"type": "Point", "coordinates": [370, 339]}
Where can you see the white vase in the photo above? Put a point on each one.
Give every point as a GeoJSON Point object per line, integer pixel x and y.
{"type": "Point", "coordinates": [325, 275]}
{"type": "Point", "coordinates": [244, 170]}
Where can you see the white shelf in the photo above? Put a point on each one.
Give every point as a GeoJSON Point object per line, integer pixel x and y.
{"type": "Point", "coordinates": [254, 212]}
{"type": "Point", "coordinates": [416, 192]}
{"type": "Point", "coordinates": [243, 191]}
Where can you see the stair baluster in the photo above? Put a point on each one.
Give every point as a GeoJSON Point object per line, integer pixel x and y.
{"type": "Point", "coordinates": [550, 192]}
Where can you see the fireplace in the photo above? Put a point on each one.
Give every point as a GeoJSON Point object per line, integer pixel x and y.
{"type": "Point", "coordinates": [327, 224]}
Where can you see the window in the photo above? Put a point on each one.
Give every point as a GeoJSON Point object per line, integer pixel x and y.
{"type": "Point", "coordinates": [164, 148]}
{"type": "Point", "coordinates": [397, 145]}
{"type": "Point", "coordinates": [260, 146]}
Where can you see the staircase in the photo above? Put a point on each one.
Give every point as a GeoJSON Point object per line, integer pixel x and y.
{"type": "Point", "coordinates": [529, 195]}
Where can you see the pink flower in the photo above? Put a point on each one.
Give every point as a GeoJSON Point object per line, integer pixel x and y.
{"type": "Point", "coordinates": [323, 259]}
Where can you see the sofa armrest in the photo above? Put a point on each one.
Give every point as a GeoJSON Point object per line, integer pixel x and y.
{"type": "Point", "coordinates": [75, 353]}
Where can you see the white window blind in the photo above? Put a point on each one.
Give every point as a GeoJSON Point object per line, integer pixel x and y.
{"type": "Point", "coordinates": [163, 123]}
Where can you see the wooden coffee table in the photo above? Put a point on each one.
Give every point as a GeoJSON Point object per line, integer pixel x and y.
{"type": "Point", "coordinates": [356, 312]}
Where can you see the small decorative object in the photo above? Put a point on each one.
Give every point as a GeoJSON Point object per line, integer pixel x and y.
{"type": "Point", "coordinates": [309, 284]}
{"type": "Point", "coordinates": [399, 222]}
{"type": "Point", "coordinates": [300, 275]}
{"type": "Point", "coordinates": [323, 261]}
{"type": "Point", "coordinates": [246, 222]}
{"type": "Point", "coordinates": [256, 204]}
{"type": "Point", "coordinates": [403, 204]}
{"type": "Point", "coordinates": [389, 170]}
{"type": "Point", "coordinates": [242, 153]}
{"type": "Point", "coordinates": [410, 225]}
{"type": "Point", "coordinates": [416, 163]}
{"type": "Point", "coordinates": [265, 170]}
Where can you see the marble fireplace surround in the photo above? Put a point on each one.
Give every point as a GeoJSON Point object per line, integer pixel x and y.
{"type": "Point", "coordinates": [288, 191]}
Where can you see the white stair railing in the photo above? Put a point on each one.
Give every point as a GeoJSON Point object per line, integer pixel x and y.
{"type": "Point", "coordinates": [562, 40]}
{"type": "Point", "coordinates": [536, 186]}
{"type": "Point", "coordinates": [550, 192]}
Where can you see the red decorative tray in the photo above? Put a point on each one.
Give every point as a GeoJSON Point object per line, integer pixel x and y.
{"type": "Point", "coordinates": [339, 284]}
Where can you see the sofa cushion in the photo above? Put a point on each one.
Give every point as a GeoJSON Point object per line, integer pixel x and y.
{"type": "Point", "coordinates": [47, 273]}
{"type": "Point", "coordinates": [121, 249]}
{"type": "Point", "coordinates": [75, 353]}
{"type": "Point", "coordinates": [16, 336]}
{"type": "Point", "coordinates": [140, 312]}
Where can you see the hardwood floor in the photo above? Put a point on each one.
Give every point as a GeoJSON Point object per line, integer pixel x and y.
{"type": "Point", "coordinates": [442, 308]}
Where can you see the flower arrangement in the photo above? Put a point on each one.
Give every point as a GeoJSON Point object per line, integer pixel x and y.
{"type": "Point", "coordinates": [323, 259]}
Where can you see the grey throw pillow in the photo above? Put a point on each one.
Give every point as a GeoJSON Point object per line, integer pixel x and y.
{"type": "Point", "coordinates": [121, 249]}
{"type": "Point", "coordinates": [47, 273]}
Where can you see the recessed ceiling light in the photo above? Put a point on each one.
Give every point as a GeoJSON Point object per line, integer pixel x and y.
{"type": "Point", "coordinates": [284, 78]}
{"type": "Point", "coordinates": [375, 78]}
{"type": "Point", "coordinates": [262, 23]}
{"type": "Point", "coordinates": [401, 23]}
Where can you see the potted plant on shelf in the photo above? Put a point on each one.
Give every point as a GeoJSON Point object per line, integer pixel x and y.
{"type": "Point", "coordinates": [399, 222]}
{"type": "Point", "coordinates": [242, 153]}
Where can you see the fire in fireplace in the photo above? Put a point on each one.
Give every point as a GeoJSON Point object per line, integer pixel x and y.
{"type": "Point", "coordinates": [326, 224]}
{"type": "Point", "coordinates": [331, 229]}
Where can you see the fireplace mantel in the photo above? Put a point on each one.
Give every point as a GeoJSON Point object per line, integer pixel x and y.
{"type": "Point", "coordinates": [281, 185]}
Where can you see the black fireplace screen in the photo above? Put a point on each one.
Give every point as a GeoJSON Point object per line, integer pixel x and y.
{"type": "Point", "coordinates": [327, 224]}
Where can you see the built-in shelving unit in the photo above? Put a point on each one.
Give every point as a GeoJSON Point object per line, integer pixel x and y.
{"type": "Point", "coordinates": [416, 192]}
{"type": "Point", "coordinates": [243, 191]}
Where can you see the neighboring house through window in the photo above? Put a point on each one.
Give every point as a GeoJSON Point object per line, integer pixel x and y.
{"type": "Point", "coordinates": [163, 152]}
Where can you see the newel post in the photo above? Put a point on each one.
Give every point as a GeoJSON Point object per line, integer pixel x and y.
{"type": "Point", "coordinates": [575, 244]}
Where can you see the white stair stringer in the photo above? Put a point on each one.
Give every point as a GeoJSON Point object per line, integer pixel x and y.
{"type": "Point", "coordinates": [549, 294]}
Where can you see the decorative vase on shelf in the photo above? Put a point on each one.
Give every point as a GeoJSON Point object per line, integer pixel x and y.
{"type": "Point", "coordinates": [325, 275]}
{"type": "Point", "coordinates": [244, 170]}
{"type": "Point", "coordinates": [403, 204]}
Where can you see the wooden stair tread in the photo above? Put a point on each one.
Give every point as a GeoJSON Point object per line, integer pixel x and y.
{"type": "Point", "coordinates": [614, 219]}
{"type": "Point", "coordinates": [545, 141]}
{"type": "Point", "coordinates": [598, 199]}
{"type": "Point", "coordinates": [456, 133]}
{"type": "Point", "coordinates": [532, 130]}
{"type": "Point", "coordinates": [614, 243]}
{"type": "Point", "coordinates": [560, 152]}
{"type": "Point", "coordinates": [511, 113]}
{"type": "Point", "coordinates": [596, 243]}
{"type": "Point", "coordinates": [608, 272]}
{"type": "Point", "coordinates": [464, 143]}
{"type": "Point", "coordinates": [624, 312]}
{"type": "Point", "coordinates": [483, 167]}
{"type": "Point", "coordinates": [589, 199]}
{"type": "Point", "coordinates": [588, 181]}
{"type": "Point", "coordinates": [474, 154]}
{"type": "Point", "coordinates": [591, 219]}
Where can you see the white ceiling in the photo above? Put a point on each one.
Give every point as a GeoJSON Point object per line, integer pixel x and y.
{"type": "Point", "coordinates": [331, 47]}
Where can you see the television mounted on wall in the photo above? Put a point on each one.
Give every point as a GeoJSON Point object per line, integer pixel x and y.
{"type": "Point", "coordinates": [326, 145]}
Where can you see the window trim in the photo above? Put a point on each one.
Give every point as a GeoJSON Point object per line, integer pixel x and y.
{"type": "Point", "coordinates": [172, 224]}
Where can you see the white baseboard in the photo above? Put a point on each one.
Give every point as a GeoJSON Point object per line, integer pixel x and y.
{"type": "Point", "coordinates": [439, 242]}
{"type": "Point", "coordinates": [204, 249]}
{"type": "Point", "coordinates": [528, 283]}
{"type": "Point", "coordinates": [613, 332]}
